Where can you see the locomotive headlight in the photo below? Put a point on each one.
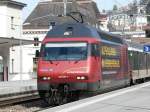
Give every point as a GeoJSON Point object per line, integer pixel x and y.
{"type": "Point", "coordinates": [78, 78]}
{"type": "Point", "coordinates": [46, 78]}
{"type": "Point", "coordinates": [82, 78]}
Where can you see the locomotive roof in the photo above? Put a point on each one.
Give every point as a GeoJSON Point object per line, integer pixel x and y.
{"type": "Point", "coordinates": [82, 30]}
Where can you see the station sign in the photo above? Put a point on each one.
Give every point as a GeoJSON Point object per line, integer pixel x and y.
{"type": "Point", "coordinates": [146, 48]}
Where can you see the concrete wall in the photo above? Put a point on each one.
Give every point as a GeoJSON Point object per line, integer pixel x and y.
{"type": "Point", "coordinates": [16, 31]}
{"type": "Point", "coordinates": [3, 21]}
{"type": "Point", "coordinates": [6, 13]}
{"type": "Point", "coordinates": [22, 65]}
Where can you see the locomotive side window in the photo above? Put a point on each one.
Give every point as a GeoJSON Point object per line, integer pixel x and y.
{"type": "Point", "coordinates": [95, 50]}
{"type": "Point", "coordinates": [41, 50]}
{"type": "Point", "coordinates": [111, 38]}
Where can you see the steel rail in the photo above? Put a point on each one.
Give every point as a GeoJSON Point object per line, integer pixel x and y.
{"type": "Point", "coordinates": [18, 99]}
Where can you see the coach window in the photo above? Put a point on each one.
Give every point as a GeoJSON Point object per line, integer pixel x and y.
{"type": "Point", "coordinates": [95, 50]}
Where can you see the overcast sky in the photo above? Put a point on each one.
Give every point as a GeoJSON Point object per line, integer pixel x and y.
{"type": "Point", "coordinates": [102, 4]}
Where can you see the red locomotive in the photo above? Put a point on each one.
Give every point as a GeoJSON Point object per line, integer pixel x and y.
{"type": "Point", "coordinates": [76, 57]}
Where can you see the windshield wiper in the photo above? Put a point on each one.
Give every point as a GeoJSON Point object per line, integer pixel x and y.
{"type": "Point", "coordinates": [76, 61]}
{"type": "Point", "coordinates": [51, 62]}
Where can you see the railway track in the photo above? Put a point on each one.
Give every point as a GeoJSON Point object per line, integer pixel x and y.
{"type": "Point", "coordinates": [14, 99]}
{"type": "Point", "coordinates": [87, 95]}
{"type": "Point", "coordinates": [26, 103]}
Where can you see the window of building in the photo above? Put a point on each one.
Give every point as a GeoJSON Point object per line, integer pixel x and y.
{"type": "Point", "coordinates": [35, 60]}
{"type": "Point", "coordinates": [12, 22]}
{"type": "Point", "coordinates": [12, 60]}
{"type": "Point", "coordinates": [1, 65]}
{"type": "Point", "coordinates": [36, 41]}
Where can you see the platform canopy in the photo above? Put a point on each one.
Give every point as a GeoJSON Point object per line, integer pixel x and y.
{"type": "Point", "coordinates": [9, 42]}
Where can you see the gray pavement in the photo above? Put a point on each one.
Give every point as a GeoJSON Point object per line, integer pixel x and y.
{"type": "Point", "coordinates": [131, 99]}
{"type": "Point", "coordinates": [14, 87]}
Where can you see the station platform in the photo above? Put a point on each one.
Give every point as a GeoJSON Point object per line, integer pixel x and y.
{"type": "Point", "coordinates": [17, 87]}
{"type": "Point", "coordinates": [130, 99]}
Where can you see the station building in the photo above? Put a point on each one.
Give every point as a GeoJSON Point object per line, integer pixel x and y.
{"type": "Point", "coordinates": [11, 41]}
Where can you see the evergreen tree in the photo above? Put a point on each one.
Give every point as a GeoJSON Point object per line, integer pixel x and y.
{"type": "Point", "coordinates": [148, 17]}
{"type": "Point", "coordinates": [135, 3]}
{"type": "Point", "coordinates": [134, 7]}
{"type": "Point", "coordinates": [148, 11]}
{"type": "Point", "coordinates": [144, 2]}
{"type": "Point", "coordinates": [115, 8]}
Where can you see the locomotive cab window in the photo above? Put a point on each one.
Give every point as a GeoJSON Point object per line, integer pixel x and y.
{"type": "Point", "coordinates": [65, 51]}
{"type": "Point", "coordinates": [95, 50]}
